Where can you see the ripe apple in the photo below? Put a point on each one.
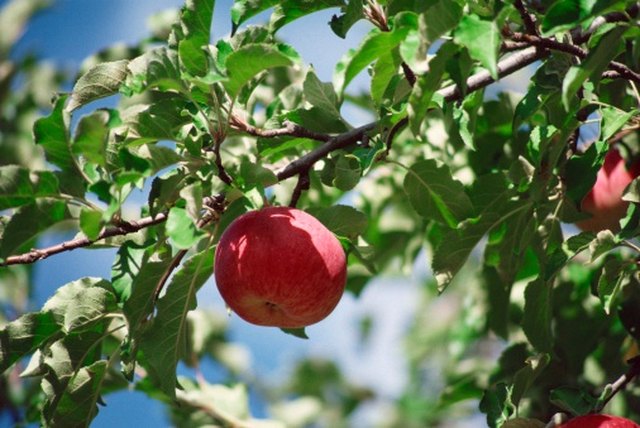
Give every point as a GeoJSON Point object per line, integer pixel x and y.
{"type": "Point", "coordinates": [604, 201]}
{"type": "Point", "coordinates": [599, 421]}
{"type": "Point", "coordinates": [280, 267]}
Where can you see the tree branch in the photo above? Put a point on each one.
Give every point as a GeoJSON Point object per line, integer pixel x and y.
{"type": "Point", "coordinates": [290, 129]}
{"type": "Point", "coordinates": [527, 18]}
{"type": "Point", "coordinates": [622, 382]}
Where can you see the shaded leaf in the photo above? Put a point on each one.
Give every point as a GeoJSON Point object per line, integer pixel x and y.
{"type": "Point", "coordinates": [19, 186]}
{"type": "Point", "coordinates": [164, 343]}
{"type": "Point", "coordinates": [51, 132]}
{"type": "Point", "coordinates": [536, 320]}
{"type": "Point", "coordinates": [100, 81]}
{"type": "Point", "coordinates": [195, 20]}
{"type": "Point", "coordinates": [351, 14]}
{"type": "Point", "coordinates": [342, 220]}
{"type": "Point", "coordinates": [91, 137]}
{"type": "Point", "coordinates": [24, 335]}
{"type": "Point", "coordinates": [157, 68]}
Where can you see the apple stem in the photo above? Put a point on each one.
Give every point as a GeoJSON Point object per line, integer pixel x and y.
{"type": "Point", "coordinates": [622, 382]}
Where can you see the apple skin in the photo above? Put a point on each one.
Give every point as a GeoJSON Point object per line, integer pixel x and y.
{"type": "Point", "coordinates": [280, 267]}
{"type": "Point", "coordinates": [599, 421]}
{"type": "Point", "coordinates": [604, 201]}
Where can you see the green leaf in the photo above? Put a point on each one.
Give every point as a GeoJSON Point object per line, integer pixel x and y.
{"type": "Point", "coordinates": [288, 11]}
{"type": "Point", "coordinates": [155, 69]}
{"type": "Point", "coordinates": [351, 14]}
{"type": "Point", "coordinates": [29, 221]}
{"type": "Point", "coordinates": [142, 279]}
{"type": "Point", "coordinates": [164, 343]}
{"type": "Point", "coordinates": [319, 94]}
{"type": "Point", "coordinates": [100, 81]}
{"type": "Point", "coordinates": [91, 137]}
{"type": "Point", "coordinates": [374, 46]}
{"type": "Point", "coordinates": [196, 25]}
{"type": "Point", "coordinates": [492, 198]}
{"type": "Point", "coordinates": [426, 86]}
{"type": "Point", "coordinates": [347, 172]}
{"type": "Point", "coordinates": [342, 220]}
{"type": "Point", "coordinates": [496, 404]}
{"type": "Point", "coordinates": [80, 304]}
{"type": "Point", "coordinates": [613, 120]}
{"type": "Point", "coordinates": [77, 405]}
{"type": "Point", "coordinates": [384, 70]}
{"type": "Point", "coordinates": [482, 39]}
{"type": "Point", "coordinates": [182, 229]}
{"type": "Point", "coordinates": [567, 14]}
{"type": "Point", "coordinates": [52, 134]}
{"type": "Point", "coordinates": [441, 17]}
{"type": "Point", "coordinates": [91, 223]}
{"type": "Point", "coordinates": [526, 376]}
{"type": "Point", "coordinates": [573, 400]}
{"type": "Point", "coordinates": [593, 65]}
{"type": "Point", "coordinates": [24, 335]}
{"type": "Point", "coordinates": [435, 194]}
{"type": "Point", "coordinates": [162, 120]}
{"type": "Point", "coordinates": [613, 278]}
{"type": "Point", "coordinates": [297, 332]}
{"type": "Point", "coordinates": [245, 9]}
{"type": "Point", "coordinates": [536, 320]}
{"type": "Point", "coordinates": [245, 63]}
{"type": "Point", "coordinates": [19, 186]}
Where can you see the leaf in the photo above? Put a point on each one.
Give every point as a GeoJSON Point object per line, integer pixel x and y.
{"type": "Point", "coordinates": [435, 194]}
{"type": "Point", "coordinates": [19, 186]}
{"type": "Point", "coordinates": [536, 319]}
{"type": "Point", "coordinates": [604, 242]}
{"type": "Point", "coordinates": [245, 63]}
{"type": "Point", "coordinates": [24, 335]}
{"type": "Point", "coordinates": [297, 332]}
{"type": "Point", "coordinates": [493, 201]}
{"type": "Point", "coordinates": [91, 223]}
{"type": "Point", "coordinates": [347, 172]}
{"type": "Point", "coordinates": [352, 13]}
{"type": "Point", "coordinates": [441, 17]}
{"type": "Point", "coordinates": [593, 65]}
{"type": "Point", "coordinates": [288, 11]}
{"type": "Point", "coordinates": [612, 120]}
{"type": "Point", "coordinates": [77, 405]}
{"type": "Point", "coordinates": [383, 72]}
{"type": "Point", "coordinates": [182, 229]}
{"type": "Point", "coordinates": [245, 9]}
{"type": "Point", "coordinates": [195, 21]}
{"type": "Point", "coordinates": [613, 278]}
{"type": "Point", "coordinates": [496, 404]}
{"type": "Point", "coordinates": [139, 303]}
{"type": "Point", "coordinates": [319, 94]}
{"type": "Point", "coordinates": [29, 221]}
{"type": "Point", "coordinates": [374, 46]}
{"type": "Point", "coordinates": [164, 343]}
{"type": "Point", "coordinates": [157, 68]}
{"type": "Point", "coordinates": [91, 137]}
{"type": "Point", "coordinates": [100, 81]}
{"type": "Point", "coordinates": [482, 39]}
{"type": "Point", "coordinates": [526, 376]}
{"type": "Point", "coordinates": [51, 132]}
{"type": "Point", "coordinates": [342, 220]}
{"type": "Point", "coordinates": [426, 86]}
{"type": "Point", "coordinates": [573, 400]}
{"type": "Point", "coordinates": [567, 14]}
{"type": "Point", "coordinates": [79, 304]}
{"type": "Point", "coordinates": [162, 120]}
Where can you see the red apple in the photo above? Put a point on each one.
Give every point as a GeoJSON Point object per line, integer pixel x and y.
{"type": "Point", "coordinates": [604, 201]}
{"type": "Point", "coordinates": [599, 421]}
{"type": "Point", "coordinates": [280, 267]}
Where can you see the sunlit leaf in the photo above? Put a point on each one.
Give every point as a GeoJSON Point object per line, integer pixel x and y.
{"type": "Point", "coordinates": [52, 134]}
{"type": "Point", "coordinates": [482, 39]}
{"type": "Point", "coordinates": [100, 81]}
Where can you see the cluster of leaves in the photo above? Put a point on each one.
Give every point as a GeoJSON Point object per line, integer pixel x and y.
{"type": "Point", "coordinates": [219, 128]}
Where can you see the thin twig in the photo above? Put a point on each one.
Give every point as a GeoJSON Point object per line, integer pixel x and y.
{"type": "Point", "coordinates": [527, 18]}
{"type": "Point", "coordinates": [303, 184]}
{"type": "Point", "coordinates": [622, 382]}
{"type": "Point", "coordinates": [289, 129]}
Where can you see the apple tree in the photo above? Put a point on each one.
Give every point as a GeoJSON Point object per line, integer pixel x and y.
{"type": "Point", "coordinates": [455, 172]}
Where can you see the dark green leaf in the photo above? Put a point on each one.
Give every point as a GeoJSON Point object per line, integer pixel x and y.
{"type": "Point", "coordinates": [164, 343]}
{"type": "Point", "coordinates": [29, 221]}
{"type": "Point", "coordinates": [526, 376]}
{"type": "Point", "coordinates": [352, 13]}
{"type": "Point", "coordinates": [297, 332]}
{"type": "Point", "coordinates": [157, 68]}
{"type": "Point", "coordinates": [342, 220]}
{"type": "Point", "coordinates": [319, 94]}
{"type": "Point", "coordinates": [593, 65]}
{"type": "Point", "coordinates": [613, 278]}
{"type": "Point", "coordinates": [482, 39]}
{"type": "Point", "coordinates": [287, 11]}
{"type": "Point", "coordinates": [435, 194]}
{"type": "Point", "coordinates": [347, 172]}
{"type": "Point", "coordinates": [91, 136]}
{"type": "Point", "coordinates": [52, 134]}
{"type": "Point", "coordinates": [245, 9]}
{"type": "Point", "coordinates": [572, 400]}
{"type": "Point", "coordinates": [19, 186]}
{"type": "Point", "coordinates": [196, 25]}
{"type": "Point", "coordinates": [100, 81]}
{"type": "Point", "coordinates": [24, 335]}
{"type": "Point", "coordinates": [496, 404]}
{"type": "Point", "coordinates": [536, 320]}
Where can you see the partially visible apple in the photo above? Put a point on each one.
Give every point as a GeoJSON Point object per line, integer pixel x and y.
{"type": "Point", "coordinates": [604, 201]}
{"type": "Point", "coordinates": [599, 421]}
{"type": "Point", "coordinates": [280, 267]}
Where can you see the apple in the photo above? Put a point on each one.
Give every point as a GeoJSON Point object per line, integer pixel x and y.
{"type": "Point", "coordinates": [604, 201]}
{"type": "Point", "coordinates": [599, 421]}
{"type": "Point", "coordinates": [280, 267]}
